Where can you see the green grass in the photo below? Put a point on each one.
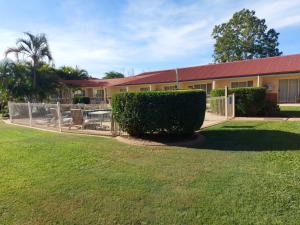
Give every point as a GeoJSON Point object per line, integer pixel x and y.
{"type": "Point", "coordinates": [246, 173]}
{"type": "Point", "coordinates": [290, 111]}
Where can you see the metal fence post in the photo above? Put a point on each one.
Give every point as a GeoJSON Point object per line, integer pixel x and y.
{"type": "Point", "coordinates": [226, 102]}
{"type": "Point", "coordinates": [59, 116]}
{"type": "Point", "coordinates": [30, 114]}
{"type": "Point", "coordinates": [233, 105]}
{"type": "Point", "coordinates": [10, 111]}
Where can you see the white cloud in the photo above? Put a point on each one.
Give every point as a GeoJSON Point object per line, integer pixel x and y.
{"type": "Point", "coordinates": [278, 13]}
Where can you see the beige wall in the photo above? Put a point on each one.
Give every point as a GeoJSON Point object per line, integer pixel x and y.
{"type": "Point", "coordinates": [272, 81]}
{"type": "Point", "coordinates": [227, 82]}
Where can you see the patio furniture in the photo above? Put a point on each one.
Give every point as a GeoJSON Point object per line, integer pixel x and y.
{"type": "Point", "coordinates": [79, 120]}
{"type": "Point", "coordinates": [101, 114]}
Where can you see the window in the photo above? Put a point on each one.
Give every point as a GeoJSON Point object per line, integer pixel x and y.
{"type": "Point", "coordinates": [169, 88]}
{"type": "Point", "coordinates": [205, 87]}
{"type": "Point", "coordinates": [100, 94]}
{"type": "Point", "coordinates": [79, 93]}
{"type": "Point", "coordinates": [145, 89]}
{"type": "Point", "coordinates": [123, 90]}
{"type": "Point", "coordinates": [242, 84]}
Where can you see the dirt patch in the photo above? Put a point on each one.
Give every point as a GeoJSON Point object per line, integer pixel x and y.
{"type": "Point", "coordinates": [195, 140]}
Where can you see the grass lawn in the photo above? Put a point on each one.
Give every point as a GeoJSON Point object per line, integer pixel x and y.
{"type": "Point", "coordinates": [246, 173]}
{"type": "Point", "coordinates": [290, 111]}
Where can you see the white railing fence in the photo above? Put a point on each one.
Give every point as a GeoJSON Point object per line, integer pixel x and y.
{"type": "Point", "coordinates": [79, 118]}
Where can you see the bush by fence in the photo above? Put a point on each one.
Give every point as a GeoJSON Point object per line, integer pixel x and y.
{"type": "Point", "coordinates": [172, 112]}
{"type": "Point", "coordinates": [250, 101]}
{"type": "Point", "coordinates": [81, 100]}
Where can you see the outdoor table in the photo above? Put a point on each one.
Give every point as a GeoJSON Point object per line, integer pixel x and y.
{"type": "Point", "coordinates": [100, 113]}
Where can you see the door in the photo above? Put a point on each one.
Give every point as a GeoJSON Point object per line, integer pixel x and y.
{"type": "Point", "coordinates": [283, 91]}
{"type": "Point", "coordinates": [90, 92]}
{"type": "Point", "coordinates": [288, 91]}
{"type": "Point", "coordinates": [293, 91]}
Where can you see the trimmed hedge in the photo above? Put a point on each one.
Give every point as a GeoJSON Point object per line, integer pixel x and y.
{"type": "Point", "coordinates": [162, 112]}
{"type": "Point", "coordinates": [250, 101]}
{"type": "Point", "coordinates": [81, 99]}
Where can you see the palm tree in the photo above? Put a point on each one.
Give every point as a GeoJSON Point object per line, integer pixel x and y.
{"type": "Point", "coordinates": [35, 48]}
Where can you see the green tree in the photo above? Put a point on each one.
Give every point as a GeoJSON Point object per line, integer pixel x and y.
{"type": "Point", "coordinates": [70, 73]}
{"type": "Point", "coordinates": [244, 36]}
{"type": "Point", "coordinates": [15, 81]}
{"type": "Point", "coordinates": [35, 48]}
{"type": "Point", "coordinates": [113, 74]}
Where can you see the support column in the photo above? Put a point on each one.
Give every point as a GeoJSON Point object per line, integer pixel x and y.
{"type": "Point", "coordinates": [214, 84]}
{"type": "Point", "coordinates": [127, 88]}
{"type": "Point", "coordinates": [259, 81]}
{"type": "Point", "coordinates": [105, 95]}
{"type": "Point", "coordinates": [150, 87]}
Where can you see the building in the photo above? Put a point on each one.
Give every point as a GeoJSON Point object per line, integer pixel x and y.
{"type": "Point", "coordinates": [280, 75]}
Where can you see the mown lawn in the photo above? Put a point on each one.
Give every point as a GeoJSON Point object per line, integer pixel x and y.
{"type": "Point", "coordinates": [246, 173]}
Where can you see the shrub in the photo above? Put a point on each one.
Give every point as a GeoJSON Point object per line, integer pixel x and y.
{"type": "Point", "coordinates": [170, 112]}
{"type": "Point", "coordinates": [4, 111]}
{"type": "Point", "coordinates": [250, 101]}
{"type": "Point", "coordinates": [81, 99]}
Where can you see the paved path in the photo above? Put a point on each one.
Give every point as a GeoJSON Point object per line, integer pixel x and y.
{"type": "Point", "coordinates": [212, 119]}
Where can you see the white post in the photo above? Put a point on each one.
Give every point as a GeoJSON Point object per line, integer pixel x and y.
{"type": "Point", "coordinates": [233, 105]}
{"type": "Point", "coordinates": [226, 102]}
{"type": "Point", "coordinates": [177, 78]}
{"type": "Point", "coordinates": [214, 84]}
{"type": "Point", "coordinates": [258, 81]}
{"type": "Point", "coordinates": [30, 114]}
{"type": "Point", "coordinates": [59, 116]}
{"type": "Point", "coordinates": [150, 87]}
{"type": "Point", "coordinates": [10, 112]}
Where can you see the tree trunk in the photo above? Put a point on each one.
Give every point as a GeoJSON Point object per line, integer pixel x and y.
{"type": "Point", "coordinates": [34, 78]}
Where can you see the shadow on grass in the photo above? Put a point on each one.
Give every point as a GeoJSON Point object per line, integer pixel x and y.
{"type": "Point", "coordinates": [291, 114]}
{"type": "Point", "coordinates": [249, 140]}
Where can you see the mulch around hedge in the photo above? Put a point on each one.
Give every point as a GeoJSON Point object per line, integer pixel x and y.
{"type": "Point", "coordinates": [195, 140]}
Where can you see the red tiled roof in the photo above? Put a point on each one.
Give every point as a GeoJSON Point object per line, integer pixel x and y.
{"type": "Point", "coordinates": [98, 82]}
{"type": "Point", "coordinates": [264, 66]}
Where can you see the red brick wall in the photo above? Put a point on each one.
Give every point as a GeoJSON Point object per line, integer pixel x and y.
{"type": "Point", "coordinates": [272, 97]}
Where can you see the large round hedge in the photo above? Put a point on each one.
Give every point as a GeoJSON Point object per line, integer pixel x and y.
{"type": "Point", "coordinates": [159, 112]}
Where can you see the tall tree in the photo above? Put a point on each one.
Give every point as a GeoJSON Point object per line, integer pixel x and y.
{"type": "Point", "coordinates": [70, 73]}
{"type": "Point", "coordinates": [244, 36]}
{"type": "Point", "coordinates": [113, 74]}
{"type": "Point", "coordinates": [35, 48]}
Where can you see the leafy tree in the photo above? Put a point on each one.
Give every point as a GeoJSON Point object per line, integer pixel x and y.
{"type": "Point", "coordinates": [48, 82]}
{"type": "Point", "coordinates": [35, 48]}
{"type": "Point", "coordinates": [244, 36]}
{"type": "Point", "coordinates": [113, 74]}
{"type": "Point", "coordinates": [16, 82]}
{"type": "Point", "coordinates": [70, 73]}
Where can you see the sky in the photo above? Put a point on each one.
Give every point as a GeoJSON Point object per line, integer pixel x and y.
{"type": "Point", "coordinates": [133, 36]}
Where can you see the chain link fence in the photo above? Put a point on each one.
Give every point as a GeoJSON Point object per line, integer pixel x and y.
{"type": "Point", "coordinates": [78, 118]}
